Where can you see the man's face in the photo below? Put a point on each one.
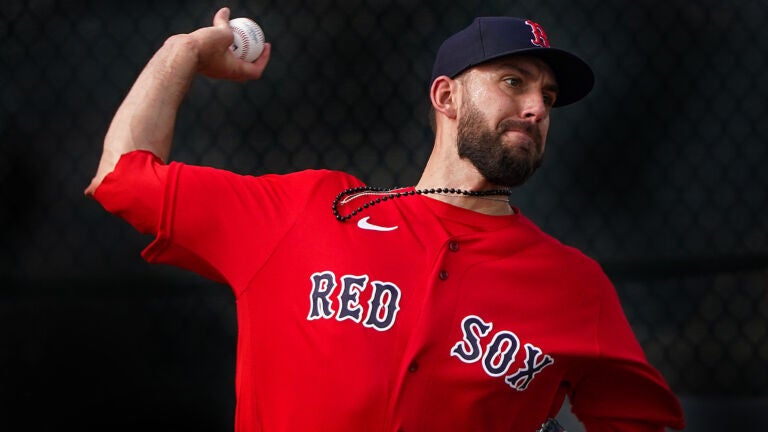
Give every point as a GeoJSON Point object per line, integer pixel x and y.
{"type": "Point", "coordinates": [504, 118]}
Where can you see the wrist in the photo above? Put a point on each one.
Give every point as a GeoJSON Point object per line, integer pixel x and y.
{"type": "Point", "coordinates": [181, 50]}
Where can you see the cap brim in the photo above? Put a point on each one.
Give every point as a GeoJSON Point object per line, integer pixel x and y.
{"type": "Point", "coordinates": [574, 77]}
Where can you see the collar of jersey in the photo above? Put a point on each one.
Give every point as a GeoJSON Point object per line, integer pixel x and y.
{"type": "Point", "coordinates": [473, 219]}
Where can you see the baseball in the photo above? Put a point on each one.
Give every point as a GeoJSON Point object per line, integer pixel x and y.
{"type": "Point", "coordinates": [249, 39]}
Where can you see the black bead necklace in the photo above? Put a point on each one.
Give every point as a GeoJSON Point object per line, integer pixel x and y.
{"type": "Point", "coordinates": [389, 194]}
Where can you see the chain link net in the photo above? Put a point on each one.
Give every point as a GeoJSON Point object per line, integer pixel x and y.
{"type": "Point", "coordinates": [659, 174]}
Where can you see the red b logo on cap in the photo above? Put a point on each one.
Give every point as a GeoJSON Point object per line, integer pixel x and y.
{"type": "Point", "coordinates": [539, 37]}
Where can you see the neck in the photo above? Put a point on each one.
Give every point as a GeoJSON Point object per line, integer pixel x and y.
{"type": "Point", "coordinates": [461, 174]}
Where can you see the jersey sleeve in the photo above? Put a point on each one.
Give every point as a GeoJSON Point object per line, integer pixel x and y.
{"type": "Point", "coordinates": [219, 224]}
{"type": "Point", "coordinates": [617, 389]}
{"type": "Point", "coordinates": [133, 191]}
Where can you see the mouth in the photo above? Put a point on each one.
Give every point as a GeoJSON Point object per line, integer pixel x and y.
{"type": "Point", "coordinates": [512, 125]}
{"type": "Point", "coordinates": [517, 131]}
{"type": "Point", "coordinates": [519, 139]}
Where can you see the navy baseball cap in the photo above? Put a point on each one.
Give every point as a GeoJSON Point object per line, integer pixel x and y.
{"type": "Point", "coordinates": [488, 38]}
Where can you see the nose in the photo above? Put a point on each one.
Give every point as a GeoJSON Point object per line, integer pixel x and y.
{"type": "Point", "coordinates": [534, 107]}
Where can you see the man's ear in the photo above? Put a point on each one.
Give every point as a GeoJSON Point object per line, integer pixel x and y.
{"type": "Point", "coordinates": [443, 95]}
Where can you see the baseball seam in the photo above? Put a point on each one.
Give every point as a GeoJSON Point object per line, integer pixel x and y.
{"type": "Point", "coordinates": [243, 43]}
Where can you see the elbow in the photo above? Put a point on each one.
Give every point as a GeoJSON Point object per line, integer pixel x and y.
{"type": "Point", "coordinates": [91, 189]}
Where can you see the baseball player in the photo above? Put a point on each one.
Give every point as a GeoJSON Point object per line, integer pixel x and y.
{"type": "Point", "coordinates": [434, 307]}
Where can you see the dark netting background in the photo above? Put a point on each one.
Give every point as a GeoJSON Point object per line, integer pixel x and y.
{"type": "Point", "coordinates": [660, 175]}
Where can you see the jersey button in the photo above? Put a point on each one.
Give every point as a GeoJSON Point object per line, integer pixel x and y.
{"type": "Point", "coordinates": [453, 246]}
{"type": "Point", "coordinates": [413, 367]}
{"type": "Point", "coordinates": [443, 275]}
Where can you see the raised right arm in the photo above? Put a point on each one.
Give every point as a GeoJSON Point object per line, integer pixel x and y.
{"type": "Point", "coordinates": [146, 118]}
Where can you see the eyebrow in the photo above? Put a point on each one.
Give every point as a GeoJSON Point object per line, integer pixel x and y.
{"type": "Point", "coordinates": [527, 73]}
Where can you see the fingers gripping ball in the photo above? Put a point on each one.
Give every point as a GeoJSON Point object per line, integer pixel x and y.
{"type": "Point", "coordinates": [249, 39]}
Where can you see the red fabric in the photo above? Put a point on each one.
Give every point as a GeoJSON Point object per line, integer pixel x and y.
{"type": "Point", "coordinates": [483, 328]}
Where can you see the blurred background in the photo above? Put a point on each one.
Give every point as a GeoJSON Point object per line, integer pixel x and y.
{"type": "Point", "coordinates": [660, 175]}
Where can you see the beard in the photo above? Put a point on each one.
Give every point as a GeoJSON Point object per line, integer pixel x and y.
{"type": "Point", "coordinates": [503, 165]}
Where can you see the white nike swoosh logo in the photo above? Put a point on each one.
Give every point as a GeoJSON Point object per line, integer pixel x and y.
{"type": "Point", "coordinates": [364, 224]}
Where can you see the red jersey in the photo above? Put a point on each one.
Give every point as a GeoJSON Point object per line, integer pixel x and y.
{"type": "Point", "coordinates": [414, 315]}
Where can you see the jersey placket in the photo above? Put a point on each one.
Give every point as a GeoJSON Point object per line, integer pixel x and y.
{"type": "Point", "coordinates": [413, 402]}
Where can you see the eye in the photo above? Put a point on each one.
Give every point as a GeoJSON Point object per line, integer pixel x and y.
{"type": "Point", "coordinates": [549, 99]}
{"type": "Point", "coordinates": [513, 82]}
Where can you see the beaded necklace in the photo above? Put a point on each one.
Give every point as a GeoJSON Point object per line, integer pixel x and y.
{"type": "Point", "coordinates": [386, 194]}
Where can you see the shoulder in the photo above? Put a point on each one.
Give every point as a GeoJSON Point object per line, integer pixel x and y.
{"type": "Point", "coordinates": [310, 180]}
{"type": "Point", "coordinates": [327, 177]}
{"type": "Point", "coordinates": [569, 257]}
{"type": "Point", "coordinates": [297, 182]}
